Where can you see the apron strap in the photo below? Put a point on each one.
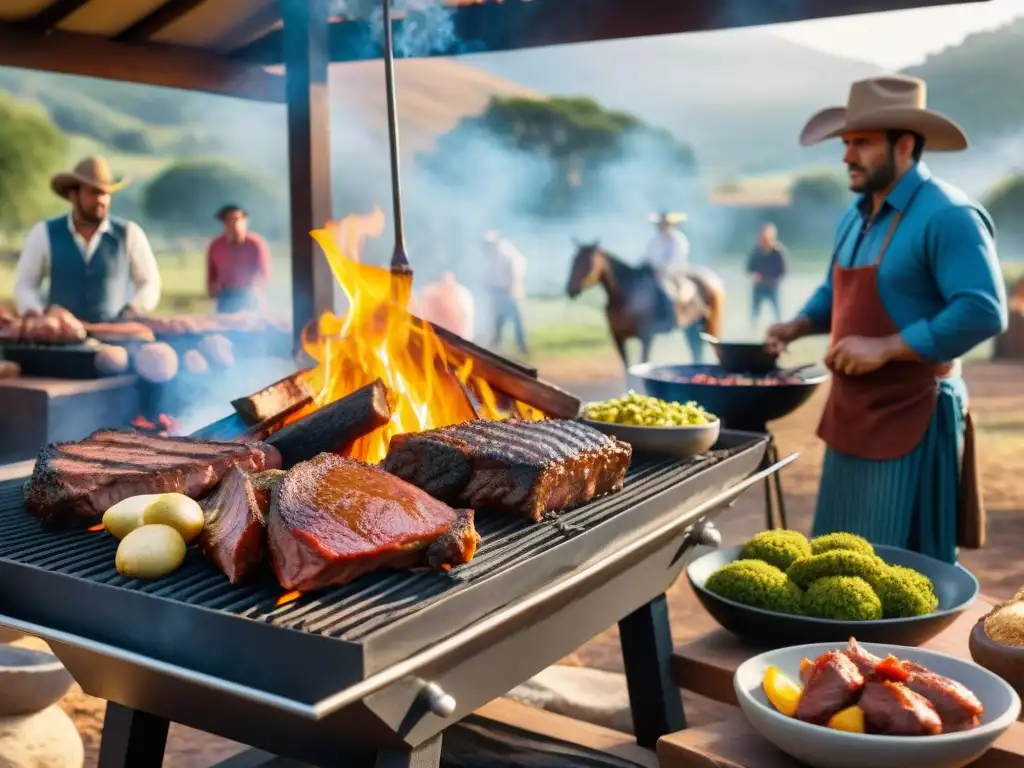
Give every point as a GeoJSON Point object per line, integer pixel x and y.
{"type": "Point", "coordinates": [888, 237]}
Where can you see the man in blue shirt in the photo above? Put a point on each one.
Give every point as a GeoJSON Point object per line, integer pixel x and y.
{"type": "Point", "coordinates": [913, 285]}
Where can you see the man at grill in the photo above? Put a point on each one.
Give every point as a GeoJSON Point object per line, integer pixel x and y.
{"type": "Point", "coordinates": [914, 283]}
{"type": "Point", "coordinates": [91, 257]}
{"type": "Point", "coordinates": [237, 264]}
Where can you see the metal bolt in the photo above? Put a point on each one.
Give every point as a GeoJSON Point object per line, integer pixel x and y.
{"type": "Point", "coordinates": [440, 703]}
{"type": "Point", "coordinates": [705, 534]}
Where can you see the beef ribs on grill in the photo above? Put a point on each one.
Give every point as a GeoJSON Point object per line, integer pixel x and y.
{"type": "Point", "coordinates": [332, 519]}
{"type": "Point", "coordinates": [235, 530]}
{"type": "Point", "coordinates": [525, 467]}
{"type": "Point", "coordinates": [79, 481]}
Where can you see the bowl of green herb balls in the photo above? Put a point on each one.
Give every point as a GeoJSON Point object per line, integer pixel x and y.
{"type": "Point", "coordinates": [651, 425]}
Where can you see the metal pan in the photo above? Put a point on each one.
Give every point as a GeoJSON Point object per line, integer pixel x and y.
{"type": "Point", "coordinates": [743, 357]}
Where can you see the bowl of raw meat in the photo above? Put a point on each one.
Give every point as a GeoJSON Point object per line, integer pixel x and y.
{"type": "Point", "coordinates": [847, 705]}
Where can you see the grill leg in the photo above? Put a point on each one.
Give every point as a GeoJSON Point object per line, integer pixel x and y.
{"type": "Point", "coordinates": [132, 739]}
{"type": "Point", "coordinates": [774, 499]}
{"type": "Point", "coordinates": [654, 699]}
{"type": "Point", "coordinates": [426, 755]}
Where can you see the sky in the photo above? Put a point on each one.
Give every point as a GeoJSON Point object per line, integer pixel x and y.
{"type": "Point", "coordinates": [900, 38]}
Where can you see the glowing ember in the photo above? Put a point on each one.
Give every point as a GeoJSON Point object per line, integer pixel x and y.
{"type": "Point", "coordinates": [287, 597]}
{"type": "Point", "coordinates": [379, 337]}
{"type": "Point", "coordinates": [96, 528]}
{"type": "Point", "coordinates": [164, 425]}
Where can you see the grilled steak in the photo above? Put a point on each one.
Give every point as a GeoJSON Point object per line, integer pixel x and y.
{"type": "Point", "coordinates": [525, 467]}
{"type": "Point", "coordinates": [332, 519]}
{"type": "Point", "coordinates": [80, 481]}
{"type": "Point", "coordinates": [235, 530]}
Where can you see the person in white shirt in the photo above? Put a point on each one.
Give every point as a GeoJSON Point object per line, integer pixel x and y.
{"type": "Point", "coordinates": [506, 273]}
{"type": "Point", "coordinates": [449, 305]}
{"type": "Point", "coordinates": [90, 257]}
{"type": "Point", "coordinates": [669, 251]}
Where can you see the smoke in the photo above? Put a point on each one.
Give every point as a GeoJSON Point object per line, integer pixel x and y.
{"type": "Point", "coordinates": [426, 26]}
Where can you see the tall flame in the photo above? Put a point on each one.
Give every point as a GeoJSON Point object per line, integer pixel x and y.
{"type": "Point", "coordinates": [379, 336]}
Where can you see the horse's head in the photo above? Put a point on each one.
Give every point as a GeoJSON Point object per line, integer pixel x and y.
{"type": "Point", "coordinates": [587, 266]}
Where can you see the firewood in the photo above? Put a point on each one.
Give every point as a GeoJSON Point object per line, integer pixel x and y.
{"type": "Point", "coordinates": [334, 426]}
{"type": "Point", "coordinates": [273, 399]}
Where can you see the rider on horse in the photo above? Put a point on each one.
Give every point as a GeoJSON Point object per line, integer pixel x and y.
{"type": "Point", "coordinates": [668, 256]}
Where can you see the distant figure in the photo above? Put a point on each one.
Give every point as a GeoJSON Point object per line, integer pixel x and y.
{"type": "Point", "coordinates": [449, 305]}
{"type": "Point", "coordinates": [91, 257]}
{"type": "Point", "coordinates": [668, 257]}
{"type": "Point", "coordinates": [766, 268]}
{"type": "Point", "coordinates": [237, 264]}
{"type": "Point", "coordinates": [506, 278]}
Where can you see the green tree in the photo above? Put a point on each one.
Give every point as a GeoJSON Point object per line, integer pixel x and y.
{"type": "Point", "coordinates": [32, 148]}
{"type": "Point", "coordinates": [1005, 202]}
{"type": "Point", "coordinates": [183, 198]}
{"type": "Point", "coordinates": [819, 190]}
{"type": "Point", "coordinates": [570, 144]}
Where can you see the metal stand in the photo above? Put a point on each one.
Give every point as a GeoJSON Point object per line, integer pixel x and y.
{"type": "Point", "coordinates": [654, 699]}
{"type": "Point", "coordinates": [774, 499]}
{"type": "Point", "coordinates": [134, 739]}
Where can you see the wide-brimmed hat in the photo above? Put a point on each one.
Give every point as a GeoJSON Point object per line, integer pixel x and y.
{"type": "Point", "coordinates": [91, 171]}
{"type": "Point", "coordinates": [891, 103]}
{"type": "Point", "coordinates": [667, 217]}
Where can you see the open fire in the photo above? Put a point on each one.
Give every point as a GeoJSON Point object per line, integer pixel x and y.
{"type": "Point", "coordinates": [380, 336]}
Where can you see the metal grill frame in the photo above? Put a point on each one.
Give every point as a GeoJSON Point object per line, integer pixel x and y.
{"type": "Point", "coordinates": [396, 716]}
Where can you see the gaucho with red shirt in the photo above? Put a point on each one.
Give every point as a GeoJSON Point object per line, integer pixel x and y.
{"type": "Point", "coordinates": [237, 264]}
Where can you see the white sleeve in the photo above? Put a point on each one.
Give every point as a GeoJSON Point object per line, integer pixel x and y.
{"type": "Point", "coordinates": [683, 247]}
{"type": "Point", "coordinates": [655, 252]}
{"type": "Point", "coordinates": [144, 272]}
{"type": "Point", "coordinates": [33, 266]}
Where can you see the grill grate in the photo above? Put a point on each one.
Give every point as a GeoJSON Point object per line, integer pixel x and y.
{"type": "Point", "coordinates": [349, 612]}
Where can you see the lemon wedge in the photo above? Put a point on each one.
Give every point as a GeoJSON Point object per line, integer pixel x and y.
{"type": "Point", "coordinates": [782, 692]}
{"type": "Point", "coordinates": [850, 719]}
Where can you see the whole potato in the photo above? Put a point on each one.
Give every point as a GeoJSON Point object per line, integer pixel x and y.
{"type": "Point", "coordinates": [178, 511]}
{"type": "Point", "coordinates": [150, 552]}
{"type": "Point", "coordinates": [125, 516]}
{"type": "Point", "coordinates": [156, 362]}
{"type": "Point", "coordinates": [112, 359]}
{"type": "Point", "coordinates": [194, 362]}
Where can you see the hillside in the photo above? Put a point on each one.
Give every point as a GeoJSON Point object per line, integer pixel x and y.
{"type": "Point", "coordinates": [740, 96]}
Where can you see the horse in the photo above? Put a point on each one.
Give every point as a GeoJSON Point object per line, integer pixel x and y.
{"type": "Point", "coordinates": [633, 294]}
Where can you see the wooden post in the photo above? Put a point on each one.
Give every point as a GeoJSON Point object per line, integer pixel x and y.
{"type": "Point", "coordinates": [305, 43]}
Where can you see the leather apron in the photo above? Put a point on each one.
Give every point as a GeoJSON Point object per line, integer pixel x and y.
{"type": "Point", "coordinates": [885, 414]}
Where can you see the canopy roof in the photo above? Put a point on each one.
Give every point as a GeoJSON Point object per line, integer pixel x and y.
{"type": "Point", "coordinates": [222, 46]}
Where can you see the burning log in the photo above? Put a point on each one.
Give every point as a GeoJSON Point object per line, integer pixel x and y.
{"type": "Point", "coordinates": [273, 399]}
{"type": "Point", "coordinates": [334, 426]}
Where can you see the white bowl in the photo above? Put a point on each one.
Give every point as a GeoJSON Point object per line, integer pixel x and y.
{"type": "Point", "coordinates": [680, 442]}
{"type": "Point", "coordinates": [821, 747]}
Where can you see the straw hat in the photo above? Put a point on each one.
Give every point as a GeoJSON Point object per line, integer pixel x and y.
{"type": "Point", "coordinates": [91, 171]}
{"type": "Point", "coordinates": [890, 103]}
{"type": "Point", "coordinates": [667, 217]}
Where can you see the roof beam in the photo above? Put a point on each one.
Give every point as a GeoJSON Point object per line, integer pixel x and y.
{"type": "Point", "coordinates": [54, 14]}
{"type": "Point", "coordinates": [514, 24]}
{"type": "Point", "coordinates": [167, 66]}
{"type": "Point", "coordinates": [155, 20]}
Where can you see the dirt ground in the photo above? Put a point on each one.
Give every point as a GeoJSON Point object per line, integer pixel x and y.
{"type": "Point", "coordinates": [997, 401]}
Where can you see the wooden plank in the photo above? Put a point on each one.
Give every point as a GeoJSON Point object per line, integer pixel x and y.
{"type": "Point", "coordinates": [309, 156]}
{"type": "Point", "coordinates": [706, 664]}
{"type": "Point", "coordinates": [734, 743]}
{"type": "Point", "coordinates": [158, 19]}
{"type": "Point", "coordinates": [502, 26]}
{"type": "Point", "coordinates": [168, 66]}
{"type": "Point", "coordinates": [54, 14]}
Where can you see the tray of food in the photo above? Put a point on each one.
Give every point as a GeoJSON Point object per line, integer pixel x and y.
{"type": "Point", "coordinates": [781, 588]}
{"type": "Point", "coordinates": [847, 705]}
{"type": "Point", "coordinates": [651, 425]}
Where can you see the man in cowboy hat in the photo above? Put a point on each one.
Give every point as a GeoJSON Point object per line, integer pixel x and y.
{"type": "Point", "coordinates": [914, 284]}
{"type": "Point", "coordinates": [237, 264]}
{"type": "Point", "coordinates": [668, 256]}
{"type": "Point", "coordinates": [89, 256]}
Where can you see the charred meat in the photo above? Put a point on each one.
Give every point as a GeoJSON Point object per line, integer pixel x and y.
{"type": "Point", "coordinates": [333, 519]}
{"type": "Point", "coordinates": [523, 467]}
{"type": "Point", "coordinates": [234, 533]}
{"type": "Point", "coordinates": [895, 710]}
{"type": "Point", "coordinates": [957, 707]}
{"type": "Point", "coordinates": [833, 683]}
{"type": "Point", "coordinates": [78, 482]}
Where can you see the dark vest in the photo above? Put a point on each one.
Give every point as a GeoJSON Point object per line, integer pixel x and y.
{"type": "Point", "coordinates": [95, 292]}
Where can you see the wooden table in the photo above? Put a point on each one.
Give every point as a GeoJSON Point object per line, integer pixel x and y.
{"type": "Point", "coordinates": [706, 666]}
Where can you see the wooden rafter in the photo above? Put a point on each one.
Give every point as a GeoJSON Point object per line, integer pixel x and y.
{"type": "Point", "coordinates": [157, 19]}
{"type": "Point", "coordinates": [168, 66]}
{"type": "Point", "coordinates": [54, 14]}
{"type": "Point", "coordinates": [513, 24]}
